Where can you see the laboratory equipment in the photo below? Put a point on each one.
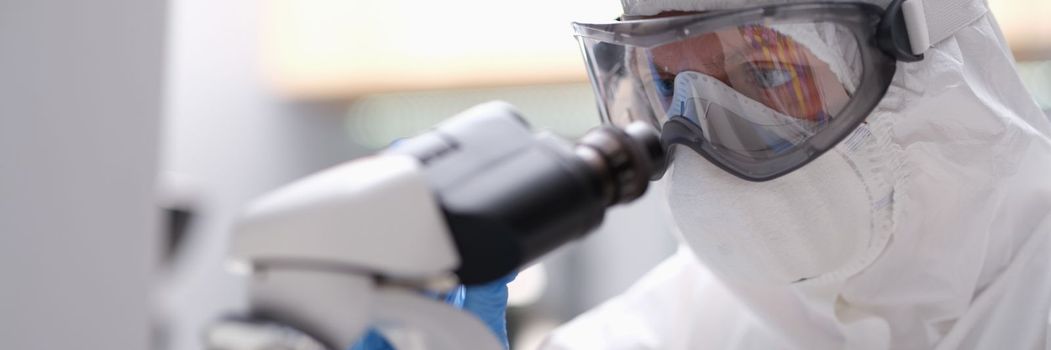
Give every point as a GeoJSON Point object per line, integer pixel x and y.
{"type": "Point", "coordinates": [361, 244]}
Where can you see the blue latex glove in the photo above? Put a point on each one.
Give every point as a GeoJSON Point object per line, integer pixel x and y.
{"type": "Point", "coordinates": [487, 301]}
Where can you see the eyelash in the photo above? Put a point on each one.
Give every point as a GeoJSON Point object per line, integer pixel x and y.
{"type": "Point", "coordinates": [769, 78]}
{"type": "Point", "coordinates": [759, 73]}
{"type": "Point", "coordinates": [666, 84]}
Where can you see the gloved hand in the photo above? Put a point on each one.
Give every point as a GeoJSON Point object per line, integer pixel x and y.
{"type": "Point", "coordinates": [487, 301]}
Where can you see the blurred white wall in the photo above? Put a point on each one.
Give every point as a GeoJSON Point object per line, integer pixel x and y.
{"type": "Point", "coordinates": [231, 139]}
{"type": "Point", "coordinates": [80, 103]}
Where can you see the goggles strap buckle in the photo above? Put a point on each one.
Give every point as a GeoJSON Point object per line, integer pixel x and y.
{"type": "Point", "coordinates": [913, 26]}
{"type": "Point", "coordinates": [916, 25]}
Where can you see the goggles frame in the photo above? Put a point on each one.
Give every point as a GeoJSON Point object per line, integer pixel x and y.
{"type": "Point", "coordinates": [882, 40]}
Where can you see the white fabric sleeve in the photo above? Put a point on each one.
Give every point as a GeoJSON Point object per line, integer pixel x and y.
{"type": "Point", "coordinates": [677, 305]}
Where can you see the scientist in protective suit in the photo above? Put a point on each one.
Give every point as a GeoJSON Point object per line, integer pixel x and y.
{"type": "Point", "coordinates": [843, 177]}
{"type": "Point", "coordinates": [925, 224]}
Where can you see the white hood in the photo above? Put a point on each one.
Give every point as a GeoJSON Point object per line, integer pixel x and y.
{"type": "Point", "coordinates": [968, 264]}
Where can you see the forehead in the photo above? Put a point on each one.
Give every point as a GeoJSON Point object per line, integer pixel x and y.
{"type": "Point", "coordinates": [718, 46]}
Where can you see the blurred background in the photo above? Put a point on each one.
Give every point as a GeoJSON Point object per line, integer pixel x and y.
{"type": "Point", "coordinates": [222, 101]}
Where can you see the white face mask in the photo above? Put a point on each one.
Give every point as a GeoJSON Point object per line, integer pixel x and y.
{"type": "Point", "coordinates": [827, 220]}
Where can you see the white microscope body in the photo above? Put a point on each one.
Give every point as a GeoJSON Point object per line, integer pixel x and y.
{"type": "Point", "coordinates": [319, 247]}
{"type": "Point", "coordinates": [356, 246]}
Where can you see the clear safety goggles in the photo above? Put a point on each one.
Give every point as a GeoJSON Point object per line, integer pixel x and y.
{"type": "Point", "coordinates": [758, 92]}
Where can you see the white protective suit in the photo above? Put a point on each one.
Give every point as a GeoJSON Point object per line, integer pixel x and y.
{"type": "Point", "coordinates": [958, 255]}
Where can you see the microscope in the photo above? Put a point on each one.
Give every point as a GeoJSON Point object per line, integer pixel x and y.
{"type": "Point", "coordinates": [362, 244]}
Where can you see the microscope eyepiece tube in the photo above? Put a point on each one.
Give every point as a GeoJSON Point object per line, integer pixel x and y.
{"type": "Point", "coordinates": [629, 159]}
{"type": "Point", "coordinates": [510, 195]}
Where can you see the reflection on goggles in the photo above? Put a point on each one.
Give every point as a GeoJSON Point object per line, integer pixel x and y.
{"type": "Point", "coordinates": [756, 61]}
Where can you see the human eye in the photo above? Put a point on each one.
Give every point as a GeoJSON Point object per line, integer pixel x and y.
{"type": "Point", "coordinates": [663, 80]}
{"type": "Point", "coordinates": [770, 77]}
{"type": "Point", "coordinates": [665, 83]}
